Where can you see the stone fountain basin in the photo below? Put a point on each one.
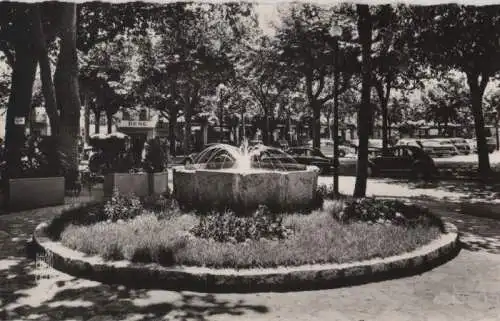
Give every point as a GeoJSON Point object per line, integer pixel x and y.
{"type": "Point", "coordinates": [237, 189]}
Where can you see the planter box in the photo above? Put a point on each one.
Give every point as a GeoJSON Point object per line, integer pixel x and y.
{"type": "Point", "coordinates": [29, 193]}
{"type": "Point", "coordinates": [139, 184]}
{"type": "Point", "coordinates": [158, 183]}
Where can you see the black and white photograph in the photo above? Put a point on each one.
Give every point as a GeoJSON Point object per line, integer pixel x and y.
{"type": "Point", "coordinates": [249, 160]}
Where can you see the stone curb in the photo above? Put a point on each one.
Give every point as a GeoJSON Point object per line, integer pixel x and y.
{"type": "Point", "coordinates": [281, 279]}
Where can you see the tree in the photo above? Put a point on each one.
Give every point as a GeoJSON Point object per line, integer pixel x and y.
{"type": "Point", "coordinates": [18, 36]}
{"type": "Point", "coordinates": [364, 112]}
{"type": "Point", "coordinates": [267, 80]}
{"type": "Point", "coordinates": [66, 87]}
{"type": "Point", "coordinates": [492, 104]}
{"type": "Point", "coordinates": [463, 38]}
{"type": "Point", "coordinates": [392, 66]}
{"type": "Point", "coordinates": [448, 101]}
{"type": "Point", "coordinates": [107, 75]}
{"type": "Point", "coordinates": [192, 53]}
{"type": "Point", "coordinates": [156, 86]}
{"type": "Point", "coordinates": [307, 47]}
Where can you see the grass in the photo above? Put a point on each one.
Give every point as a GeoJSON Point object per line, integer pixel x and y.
{"type": "Point", "coordinates": [317, 238]}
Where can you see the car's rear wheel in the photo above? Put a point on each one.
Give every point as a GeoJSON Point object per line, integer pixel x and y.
{"type": "Point", "coordinates": [421, 172]}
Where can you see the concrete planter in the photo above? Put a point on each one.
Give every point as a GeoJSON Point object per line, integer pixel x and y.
{"type": "Point", "coordinates": [158, 182]}
{"type": "Point", "coordinates": [139, 184]}
{"type": "Point", "coordinates": [29, 193]}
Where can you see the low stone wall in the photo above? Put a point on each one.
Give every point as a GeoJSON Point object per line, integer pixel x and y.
{"type": "Point", "coordinates": [307, 277]}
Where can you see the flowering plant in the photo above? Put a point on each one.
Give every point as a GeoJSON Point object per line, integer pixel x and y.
{"type": "Point", "coordinates": [40, 158]}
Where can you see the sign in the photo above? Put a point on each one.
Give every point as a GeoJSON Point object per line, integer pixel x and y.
{"type": "Point", "coordinates": [136, 124]}
{"type": "Point", "coordinates": [19, 121]}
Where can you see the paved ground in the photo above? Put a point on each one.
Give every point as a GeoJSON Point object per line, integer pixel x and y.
{"type": "Point", "coordinates": [466, 288]}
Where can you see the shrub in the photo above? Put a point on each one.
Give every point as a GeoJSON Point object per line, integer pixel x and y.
{"type": "Point", "coordinates": [40, 158]}
{"type": "Point", "coordinates": [228, 227]}
{"type": "Point", "coordinates": [121, 207]}
{"type": "Point", "coordinates": [385, 211]}
{"type": "Point", "coordinates": [142, 239]}
{"type": "Point", "coordinates": [324, 192]}
{"type": "Point", "coordinates": [163, 204]}
{"type": "Point", "coordinates": [156, 157]}
{"type": "Point", "coordinates": [317, 238]}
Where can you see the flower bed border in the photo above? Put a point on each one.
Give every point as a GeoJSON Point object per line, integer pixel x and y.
{"type": "Point", "coordinates": [293, 278]}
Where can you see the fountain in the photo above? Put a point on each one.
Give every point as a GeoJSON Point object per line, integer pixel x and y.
{"type": "Point", "coordinates": [225, 176]}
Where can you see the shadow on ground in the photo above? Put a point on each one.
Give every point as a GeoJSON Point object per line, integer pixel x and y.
{"type": "Point", "coordinates": [31, 292]}
{"type": "Point", "coordinates": [51, 295]}
{"type": "Point", "coordinates": [476, 233]}
{"type": "Point", "coordinates": [471, 189]}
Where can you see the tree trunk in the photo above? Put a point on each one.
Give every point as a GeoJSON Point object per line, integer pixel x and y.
{"type": "Point", "coordinates": [23, 76]}
{"type": "Point", "coordinates": [97, 124]}
{"type": "Point", "coordinates": [482, 149]}
{"type": "Point", "coordinates": [265, 128]}
{"type": "Point", "coordinates": [45, 71]}
{"type": "Point", "coordinates": [497, 134]}
{"type": "Point", "coordinates": [109, 122]}
{"type": "Point", "coordinates": [187, 128]}
{"type": "Point", "coordinates": [364, 114]}
{"type": "Point", "coordinates": [385, 124]}
{"type": "Point", "coordinates": [329, 131]}
{"type": "Point", "coordinates": [86, 118]}
{"type": "Point", "coordinates": [172, 123]}
{"type": "Point", "coordinates": [66, 85]}
{"type": "Point", "coordinates": [316, 124]}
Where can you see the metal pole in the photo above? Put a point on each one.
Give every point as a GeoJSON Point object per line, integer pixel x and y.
{"type": "Point", "coordinates": [336, 120]}
{"type": "Point", "coordinates": [243, 136]}
{"type": "Point", "coordinates": [221, 135]}
{"type": "Point", "coordinates": [496, 132]}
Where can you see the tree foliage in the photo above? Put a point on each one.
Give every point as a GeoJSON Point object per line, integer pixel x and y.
{"type": "Point", "coordinates": [307, 47]}
{"type": "Point", "coordinates": [464, 38]}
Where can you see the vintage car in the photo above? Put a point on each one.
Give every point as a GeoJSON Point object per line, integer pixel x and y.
{"type": "Point", "coordinates": [311, 156]}
{"type": "Point", "coordinates": [403, 160]}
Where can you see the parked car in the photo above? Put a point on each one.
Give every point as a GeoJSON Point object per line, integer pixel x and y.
{"type": "Point", "coordinates": [430, 146]}
{"type": "Point", "coordinates": [283, 144]}
{"type": "Point", "coordinates": [255, 142]}
{"type": "Point", "coordinates": [473, 144]}
{"type": "Point", "coordinates": [374, 146]}
{"type": "Point", "coordinates": [448, 143]}
{"type": "Point", "coordinates": [462, 145]}
{"type": "Point", "coordinates": [326, 147]}
{"type": "Point", "coordinates": [274, 157]}
{"type": "Point", "coordinates": [311, 156]}
{"type": "Point", "coordinates": [403, 160]}
{"type": "Point", "coordinates": [190, 159]}
{"type": "Point", "coordinates": [409, 142]}
{"type": "Point", "coordinates": [490, 142]}
{"type": "Point", "coordinates": [445, 147]}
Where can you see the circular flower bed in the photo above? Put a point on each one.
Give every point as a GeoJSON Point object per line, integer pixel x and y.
{"type": "Point", "coordinates": [156, 230]}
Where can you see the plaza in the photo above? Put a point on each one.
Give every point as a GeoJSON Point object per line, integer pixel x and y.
{"type": "Point", "coordinates": [249, 161]}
